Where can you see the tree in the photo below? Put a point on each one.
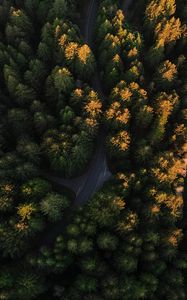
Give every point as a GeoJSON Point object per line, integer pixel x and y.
{"type": "Point", "coordinates": [85, 62]}
{"type": "Point", "coordinates": [11, 78]}
{"type": "Point", "coordinates": [110, 287]}
{"type": "Point", "coordinates": [89, 265]}
{"type": "Point", "coordinates": [166, 75]}
{"type": "Point", "coordinates": [105, 207]}
{"type": "Point", "coordinates": [168, 31]}
{"type": "Point", "coordinates": [155, 55]}
{"type": "Point", "coordinates": [164, 106]}
{"type": "Point", "coordinates": [106, 241]}
{"type": "Point", "coordinates": [143, 152]}
{"type": "Point", "coordinates": [126, 263]}
{"type": "Point", "coordinates": [28, 286]}
{"type": "Point", "coordinates": [53, 206]}
{"type": "Point", "coordinates": [36, 74]}
{"type": "Point", "coordinates": [25, 171]}
{"type": "Point", "coordinates": [117, 116]}
{"type": "Point", "coordinates": [93, 106]}
{"type": "Point", "coordinates": [24, 95]}
{"type": "Point", "coordinates": [85, 246]}
{"type": "Point", "coordinates": [35, 189]}
{"type": "Point", "coordinates": [6, 204]}
{"type": "Point", "coordinates": [63, 80]}
{"type": "Point", "coordinates": [28, 150]}
{"type": "Point", "coordinates": [12, 243]}
{"type": "Point", "coordinates": [86, 284]}
{"type": "Point", "coordinates": [18, 120]}
{"type": "Point", "coordinates": [158, 10]}
{"type": "Point", "coordinates": [25, 214]}
{"type": "Point", "coordinates": [67, 115]}
{"type": "Point", "coordinates": [144, 116]}
{"type": "Point", "coordinates": [19, 19]}
{"type": "Point", "coordinates": [120, 142]}
{"type": "Point", "coordinates": [42, 122]}
{"type": "Point", "coordinates": [60, 9]}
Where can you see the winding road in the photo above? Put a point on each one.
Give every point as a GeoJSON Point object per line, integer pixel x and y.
{"type": "Point", "coordinates": [86, 185]}
{"type": "Point", "coordinates": [98, 172]}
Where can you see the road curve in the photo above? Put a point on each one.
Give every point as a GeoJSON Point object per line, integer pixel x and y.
{"type": "Point", "coordinates": [86, 185]}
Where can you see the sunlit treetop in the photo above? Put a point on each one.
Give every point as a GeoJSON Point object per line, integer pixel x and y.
{"type": "Point", "coordinates": [19, 19]}
{"type": "Point", "coordinates": [168, 31]}
{"type": "Point", "coordinates": [16, 13]}
{"type": "Point", "coordinates": [71, 50]}
{"type": "Point", "coordinates": [116, 112]}
{"type": "Point", "coordinates": [93, 107]}
{"type": "Point", "coordinates": [63, 79]}
{"type": "Point", "coordinates": [90, 122]}
{"type": "Point", "coordinates": [167, 71]}
{"type": "Point", "coordinates": [78, 93]}
{"type": "Point", "coordinates": [168, 167]}
{"type": "Point", "coordinates": [133, 53]}
{"type": "Point", "coordinates": [7, 188]}
{"type": "Point", "coordinates": [25, 212]}
{"type": "Point", "coordinates": [118, 19]}
{"type": "Point", "coordinates": [157, 9]}
{"type": "Point", "coordinates": [125, 94]}
{"type": "Point", "coordinates": [63, 39]}
{"type": "Point", "coordinates": [116, 58]}
{"type": "Point", "coordinates": [84, 53]}
{"type": "Point", "coordinates": [121, 140]}
{"type": "Point", "coordinates": [174, 237]}
{"type": "Point", "coordinates": [163, 98]}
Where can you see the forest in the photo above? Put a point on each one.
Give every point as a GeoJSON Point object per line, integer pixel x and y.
{"type": "Point", "coordinates": [86, 85]}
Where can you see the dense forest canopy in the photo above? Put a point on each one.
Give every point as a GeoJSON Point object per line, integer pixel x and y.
{"type": "Point", "coordinates": [59, 92]}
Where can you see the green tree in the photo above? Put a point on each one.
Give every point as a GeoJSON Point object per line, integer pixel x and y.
{"type": "Point", "coordinates": [28, 150]}
{"type": "Point", "coordinates": [53, 206]}
{"type": "Point", "coordinates": [18, 120]}
{"type": "Point", "coordinates": [35, 188]}
{"type": "Point", "coordinates": [28, 286]}
{"type": "Point", "coordinates": [107, 241]}
{"type": "Point", "coordinates": [63, 80]}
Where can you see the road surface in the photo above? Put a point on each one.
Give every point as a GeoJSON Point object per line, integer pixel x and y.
{"type": "Point", "coordinates": [125, 4]}
{"type": "Point", "coordinates": [89, 183]}
{"type": "Point", "coordinates": [86, 185]}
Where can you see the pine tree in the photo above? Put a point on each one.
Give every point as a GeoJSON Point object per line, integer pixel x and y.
{"type": "Point", "coordinates": [53, 205]}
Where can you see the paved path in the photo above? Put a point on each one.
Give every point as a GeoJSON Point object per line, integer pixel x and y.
{"type": "Point", "coordinates": [125, 4]}
{"type": "Point", "coordinates": [86, 185]}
